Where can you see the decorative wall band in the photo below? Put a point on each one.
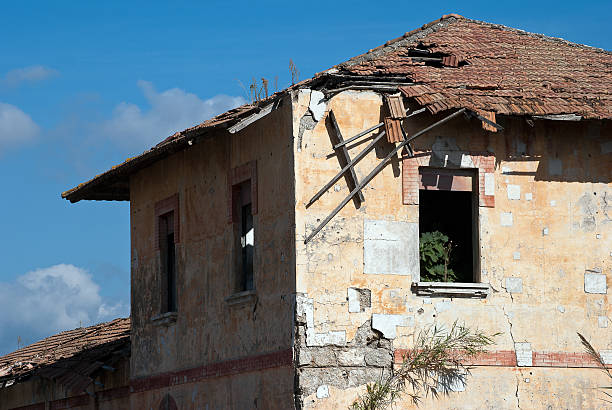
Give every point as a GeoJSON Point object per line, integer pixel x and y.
{"type": "Point", "coordinates": [283, 358]}
{"type": "Point", "coordinates": [507, 358]}
{"type": "Point", "coordinates": [80, 400]}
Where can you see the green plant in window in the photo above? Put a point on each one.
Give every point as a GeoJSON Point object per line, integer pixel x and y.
{"type": "Point", "coordinates": [435, 249]}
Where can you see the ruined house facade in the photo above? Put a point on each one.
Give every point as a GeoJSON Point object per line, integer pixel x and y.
{"type": "Point", "coordinates": [276, 264]}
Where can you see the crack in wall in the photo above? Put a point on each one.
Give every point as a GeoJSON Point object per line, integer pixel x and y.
{"type": "Point", "coordinates": [519, 376]}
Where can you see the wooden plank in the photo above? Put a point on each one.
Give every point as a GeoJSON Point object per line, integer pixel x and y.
{"type": "Point", "coordinates": [252, 118]}
{"type": "Point", "coordinates": [345, 159]}
{"type": "Point", "coordinates": [362, 133]}
{"type": "Point", "coordinates": [357, 158]}
{"type": "Point", "coordinates": [487, 121]}
{"type": "Point", "coordinates": [378, 168]}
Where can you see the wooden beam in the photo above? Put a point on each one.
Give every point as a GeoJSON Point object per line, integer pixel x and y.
{"type": "Point", "coordinates": [346, 167]}
{"type": "Point", "coordinates": [253, 117]}
{"type": "Point", "coordinates": [486, 120]}
{"type": "Point", "coordinates": [362, 133]}
{"type": "Point", "coordinates": [345, 159]}
{"type": "Point", "coordinates": [377, 169]}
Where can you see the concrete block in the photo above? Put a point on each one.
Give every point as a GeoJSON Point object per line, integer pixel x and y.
{"type": "Point", "coordinates": [353, 300]}
{"type": "Point", "coordinates": [524, 354]}
{"type": "Point", "coordinates": [304, 358]}
{"type": "Point", "coordinates": [386, 324]}
{"type": "Point", "coordinates": [378, 357]}
{"type": "Point", "coordinates": [606, 356]}
{"type": "Point", "coordinates": [337, 338]}
{"type": "Point", "coordinates": [595, 283]}
{"type": "Point", "coordinates": [489, 184]}
{"type": "Point", "coordinates": [391, 247]}
{"type": "Point", "coordinates": [352, 357]}
{"type": "Point", "coordinates": [528, 196]}
{"type": "Point", "coordinates": [359, 299]}
{"type": "Point", "coordinates": [323, 356]}
{"type": "Point", "coordinates": [514, 192]}
{"type": "Point", "coordinates": [506, 219]}
{"type": "Point", "coordinates": [514, 285]}
{"type": "Point", "coordinates": [561, 309]}
{"type": "Point", "coordinates": [545, 232]}
{"type": "Point", "coordinates": [602, 321]}
{"type": "Point", "coordinates": [322, 391]}
{"type": "Point", "coordinates": [466, 161]}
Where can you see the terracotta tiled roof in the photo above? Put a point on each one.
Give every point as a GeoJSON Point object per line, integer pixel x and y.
{"type": "Point", "coordinates": [454, 62]}
{"type": "Point", "coordinates": [70, 357]}
{"type": "Point", "coordinates": [487, 67]}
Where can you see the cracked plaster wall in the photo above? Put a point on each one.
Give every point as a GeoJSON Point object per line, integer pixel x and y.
{"type": "Point", "coordinates": [549, 227]}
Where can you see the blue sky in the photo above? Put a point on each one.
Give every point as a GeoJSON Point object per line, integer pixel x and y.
{"type": "Point", "coordinates": [84, 85]}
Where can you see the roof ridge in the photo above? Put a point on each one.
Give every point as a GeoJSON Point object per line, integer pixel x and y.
{"type": "Point", "coordinates": [533, 34]}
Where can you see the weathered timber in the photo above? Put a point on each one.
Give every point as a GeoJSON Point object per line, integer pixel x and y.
{"type": "Point", "coordinates": [488, 121]}
{"type": "Point", "coordinates": [357, 158]}
{"type": "Point", "coordinates": [362, 133]}
{"type": "Point", "coordinates": [345, 159]}
{"type": "Point", "coordinates": [377, 169]}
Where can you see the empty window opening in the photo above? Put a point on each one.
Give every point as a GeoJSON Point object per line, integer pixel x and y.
{"type": "Point", "coordinates": [245, 236]}
{"type": "Point", "coordinates": [168, 262]}
{"type": "Point", "coordinates": [448, 225]}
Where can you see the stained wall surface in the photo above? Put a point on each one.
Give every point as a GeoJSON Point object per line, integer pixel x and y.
{"type": "Point", "coordinates": [545, 248]}
{"type": "Point", "coordinates": [220, 344]}
{"type": "Point", "coordinates": [110, 391]}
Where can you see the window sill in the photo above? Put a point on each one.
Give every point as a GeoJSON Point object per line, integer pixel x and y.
{"type": "Point", "coordinates": [452, 289]}
{"type": "Point", "coordinates": [165, 319]}
{"type": "Point", "coordinates": [242, 298]}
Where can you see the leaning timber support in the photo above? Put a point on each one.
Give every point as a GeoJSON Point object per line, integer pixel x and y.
{"type": "Point", "coordinates": [377, 169]}
{"type": "Point", "coordinates": [344, 158]}
{"type": "Point", "coordinates": [358, 157]}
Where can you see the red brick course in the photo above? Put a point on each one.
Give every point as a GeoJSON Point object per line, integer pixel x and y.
{"type": "Point", "coordinates": [283, 358]}
{"type": "Point", "coordinates": [507, 358]}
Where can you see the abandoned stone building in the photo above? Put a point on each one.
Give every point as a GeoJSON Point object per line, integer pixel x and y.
{"type": "Point", "coordinates": [275, 257]}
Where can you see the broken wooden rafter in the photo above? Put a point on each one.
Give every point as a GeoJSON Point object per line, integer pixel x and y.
{"type": "Point", "coordinates": [344, 157]}
{"type": "Point", "coordinates": [362, 133]}
{"type": "Point", "coordinates": [559, 117]}
{"type": "Point", "coordinates": [378, 168]}
{"type": "Point", "coordinates": [485, 120]}
{"type": "Point", "coordinates": [346, 168]}
{"type": "Point", "coordinates": [254, 117]}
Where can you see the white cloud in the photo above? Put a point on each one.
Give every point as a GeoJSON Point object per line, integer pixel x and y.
{"type": "Point", "coordinates": [170, 111]}
{"type": "Point", "coordinates": [16, 126]}
{"type": "Point", "coordinates": [48, 300]}
{"type": "Point", "coordinates": [29, 74]}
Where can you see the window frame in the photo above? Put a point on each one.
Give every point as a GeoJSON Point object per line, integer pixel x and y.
{"type": "Point", "coordinates": [163, 210]}
{"type": "Point", "coordinates": [238, 177]}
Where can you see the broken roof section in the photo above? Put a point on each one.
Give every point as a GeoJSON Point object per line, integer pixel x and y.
{"type": "Point", "coordinates": [71, 358]}
{"type": "Point", "coordinates": [452, 62]}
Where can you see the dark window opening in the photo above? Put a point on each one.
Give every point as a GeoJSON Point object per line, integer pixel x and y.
{"type": "Point", "coordinates": [449, 207]}
{"type": "Point", "coordinates": [168, 262]}
{"type": "Point", "coordinates": [245, 236]}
